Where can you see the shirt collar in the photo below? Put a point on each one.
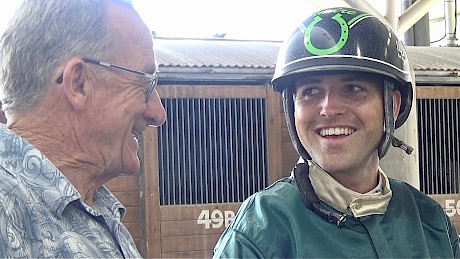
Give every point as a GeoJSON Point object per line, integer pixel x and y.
{"type": "Point", "coordinates": [107, 203]}
{"type": "Point", "coordinates": [348, 201]}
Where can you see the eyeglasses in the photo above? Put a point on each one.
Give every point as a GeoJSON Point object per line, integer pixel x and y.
{"type": "Point", "coordinates": [152, 77]}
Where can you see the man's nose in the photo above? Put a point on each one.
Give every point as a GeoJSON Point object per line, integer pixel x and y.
{"type": "Point", "coordinates": [332, 105]}
{"type": "Point", "coordinates": [155, 112]}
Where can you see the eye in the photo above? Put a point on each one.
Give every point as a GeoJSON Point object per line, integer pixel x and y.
{"type": "Point", "coordinates": [354, 88]}
{"type": "Point", "coordinates": [307, 92]}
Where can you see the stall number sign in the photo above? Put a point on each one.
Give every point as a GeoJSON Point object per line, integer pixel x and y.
{"type": "Point", "coordinates": [452, 207]}
{"type": "Point", "coordinates": [215, 219]}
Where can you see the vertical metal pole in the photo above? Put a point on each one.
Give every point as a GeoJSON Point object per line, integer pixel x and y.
{"type": "Point", "coordinates": [409, 34]}
{"type": "Point", "coordinates": [392, 14]}
{"type": "Point", "coordinates": [449, 9]}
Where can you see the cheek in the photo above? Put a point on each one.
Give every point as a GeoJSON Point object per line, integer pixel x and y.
{"type": "Point", "coordinates": [302, 120]}
{"type": "Point", "coordinates": [297, 118]}
{"type": "Point", "coordinates": [302, 115]}
{"type": "Point", "coordinates": [374, 115]}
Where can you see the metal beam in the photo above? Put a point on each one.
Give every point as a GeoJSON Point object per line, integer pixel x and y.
{"type": "Point", "coordinates": [365, 6]}
{"type": "Point", "coordinates": [449, 7]}
{"type": "Point", "coordinates": [392, 14]}
{"type": "Point", "coordinates": [413, 14]}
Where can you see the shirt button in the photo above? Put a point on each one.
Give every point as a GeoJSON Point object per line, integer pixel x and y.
{"type": "Point", "coordinates": [357, 206]}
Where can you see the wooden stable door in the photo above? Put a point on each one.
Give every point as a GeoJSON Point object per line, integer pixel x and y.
{"type": "Point", "coordinates": [211, 154]}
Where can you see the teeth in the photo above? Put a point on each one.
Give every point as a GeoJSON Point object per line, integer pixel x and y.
{"type": "Point", "coordinates": [336, 131]}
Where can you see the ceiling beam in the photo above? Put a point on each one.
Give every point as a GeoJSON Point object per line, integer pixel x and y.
{"type": "Point", "coordinates": [413, 14]}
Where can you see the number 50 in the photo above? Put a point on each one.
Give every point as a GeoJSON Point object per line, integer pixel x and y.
{"type": "Point", "coordinates": [451, 209]}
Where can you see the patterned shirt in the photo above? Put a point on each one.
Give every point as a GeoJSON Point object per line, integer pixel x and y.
{"type": "Point", "coordinates": [42, 214]}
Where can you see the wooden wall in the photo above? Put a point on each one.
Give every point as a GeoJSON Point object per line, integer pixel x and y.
{"type": "Point", "coordinates": [176, 231]}
{"type": "Point", "coordinates": [437, 92]}
{"type": "Point", "coordinates": [191, 231]}
{"type": "Point", "coordinates": [450, 202]}
{"type": "Point", "coordinates": [288, 153]}
{"type": "Point", "coordinates": [126, 189]}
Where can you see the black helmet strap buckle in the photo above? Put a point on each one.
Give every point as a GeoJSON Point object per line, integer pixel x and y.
{"type": "Point", "coordinates": [399, 143]}
{"type": "Point", "coordinates": [311, 200]}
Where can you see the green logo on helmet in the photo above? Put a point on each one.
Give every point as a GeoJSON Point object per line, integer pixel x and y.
{"type": "Point", "coordinates": [344, 30]}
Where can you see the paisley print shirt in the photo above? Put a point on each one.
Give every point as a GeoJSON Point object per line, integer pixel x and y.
{"type": "Point", "coordinates": [42, 215]}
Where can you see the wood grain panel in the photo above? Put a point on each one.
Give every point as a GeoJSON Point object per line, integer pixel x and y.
{"type": "Point", "coordinates": [133, 214]}
{"type": "Point", "coordinates": [124, 183]}
{"type": "Point", "coordinates": [128, 199]}
{"type": "Point", "coordinates": [274, 135]}
{"type": "Point", "coordinates": [191, 212]}
{"type": "Point", "coordinates": [288, 164]}
{"type": "Point", "coordinates": [134, 229]}
{"type": "Point", "coordinates": [150, 223]}
{"type": "Point", "coordinates": [285, 135]}
{"type": "Point", "coordinates": [288, 150]}
{"type": "Point", "coordinates": [188, 254]}
{"type": "Point", "coordinates": [188, 243]}
{"type": "Point", "coordinates": [188, 228]}
{"type": "Point", "coordinates": [437, 92]}
{"type": "Point", "coordinates": [138, 243]}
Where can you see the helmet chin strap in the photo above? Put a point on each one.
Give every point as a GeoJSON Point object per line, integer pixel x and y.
{"type": "Point", "coordinates": [389, 123]}
{"type": "Point", "coordinates": [288, 105]}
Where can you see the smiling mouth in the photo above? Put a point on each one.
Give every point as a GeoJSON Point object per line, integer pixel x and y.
{"type": "Point", "coordinates": [336, 132]}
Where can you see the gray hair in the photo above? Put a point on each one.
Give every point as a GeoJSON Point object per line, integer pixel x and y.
{"type": "Point", "coordinates": [43, 35]}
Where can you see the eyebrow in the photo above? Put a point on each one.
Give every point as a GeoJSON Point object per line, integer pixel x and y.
{"type": "Point", "coordinates": [306, 80]}
{"type": "Point", "coordinates": [347, 78]}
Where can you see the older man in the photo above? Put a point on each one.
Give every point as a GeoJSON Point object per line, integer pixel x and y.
{"type": "Point", "coordinates": [78, 88]}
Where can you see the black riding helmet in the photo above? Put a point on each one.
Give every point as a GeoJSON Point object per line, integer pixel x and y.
{"type": "Point", "coordinates": [346, 40]}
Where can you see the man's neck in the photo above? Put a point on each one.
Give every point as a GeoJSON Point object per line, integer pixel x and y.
{"type": "Point", "coordinates": [360, 179]}
{"type": "Point", "coordinates": [62, 148]}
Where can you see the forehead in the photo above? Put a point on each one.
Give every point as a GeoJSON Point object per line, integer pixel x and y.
{"type": "Point", "coordinates": [324, 78]}
{"type": "Point", "coordinates": [132, 37]}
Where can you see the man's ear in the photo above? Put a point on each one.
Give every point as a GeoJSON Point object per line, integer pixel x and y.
{"type": "Point", "coordinates": [396, 103]}
{"type": "Point", "coordinates": [75, 83]}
